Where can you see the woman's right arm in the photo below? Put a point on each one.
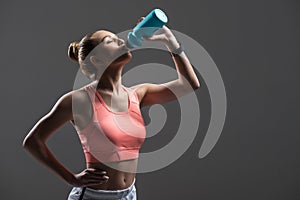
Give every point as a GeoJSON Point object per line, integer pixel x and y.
{"type": "Point", "coordinates": [34, 142]}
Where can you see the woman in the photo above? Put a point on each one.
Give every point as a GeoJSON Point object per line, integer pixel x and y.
{"type": "Point", "coordinates": [110, 166]}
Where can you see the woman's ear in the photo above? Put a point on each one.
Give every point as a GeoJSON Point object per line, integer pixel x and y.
{"type": "Point", "coordinates": [96, 61]}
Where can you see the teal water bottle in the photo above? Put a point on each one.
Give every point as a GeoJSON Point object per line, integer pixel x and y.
{"type": "Point", "coordinates": [153, 21]}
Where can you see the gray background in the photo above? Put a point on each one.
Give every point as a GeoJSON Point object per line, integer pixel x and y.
{"type": "Point", "coordinates": [255, 45]}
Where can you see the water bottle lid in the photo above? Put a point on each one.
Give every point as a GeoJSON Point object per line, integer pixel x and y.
{"type": "Point", "coordinates": [161, 15]}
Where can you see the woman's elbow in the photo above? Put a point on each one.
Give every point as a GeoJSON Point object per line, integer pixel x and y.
{"type": "Point", "coordinates": [29, 141]}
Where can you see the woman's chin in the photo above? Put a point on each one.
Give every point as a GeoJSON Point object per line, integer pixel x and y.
{"type": "Point", "coordinates": [125, 57]}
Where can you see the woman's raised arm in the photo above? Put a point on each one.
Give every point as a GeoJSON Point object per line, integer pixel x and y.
{"type": "Point", "coordinates": [187, 81]}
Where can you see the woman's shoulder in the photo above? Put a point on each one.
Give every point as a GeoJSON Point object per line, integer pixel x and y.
{"type": "Point", "coordinates": [82, 106]}
{"type": "Point", "coordinates": [81, 95]}
{"type": "Point", "coordinates": [77, 99]}
{"type": "Point", "coordinates": [139, 90]}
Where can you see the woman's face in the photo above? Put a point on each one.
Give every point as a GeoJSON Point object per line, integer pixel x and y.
{"type": "Point", "coordinates": [111, 50]}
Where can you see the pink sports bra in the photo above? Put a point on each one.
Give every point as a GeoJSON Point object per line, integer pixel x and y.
{"type": "Point", "coordinates": [112, 136]}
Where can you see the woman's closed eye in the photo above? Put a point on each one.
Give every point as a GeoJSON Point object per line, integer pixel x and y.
{"type": "Point", "coordinates": [112, 39]}
{"type": "Point", "coordinates": [109, 41]}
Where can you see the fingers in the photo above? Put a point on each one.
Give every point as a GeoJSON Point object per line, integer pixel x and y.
{"type": "Point", "coordinates": [94, 182]}
{"type": "Point", "coordinates": [97, 179]}
{"type": "Point", "coordinates": [160, 31]}
{"type": "Point", "coordinates": [139, 20]}
{"type": "Point", "coordinates": [95, 171]}
{"type": "Point", "coordinates": [96, 175]}
{"type": "Point", "coordinates": [155, 38]}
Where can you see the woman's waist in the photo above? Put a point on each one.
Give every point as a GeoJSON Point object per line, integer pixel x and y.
{"type": "Point", "coordinates": [121, 174]}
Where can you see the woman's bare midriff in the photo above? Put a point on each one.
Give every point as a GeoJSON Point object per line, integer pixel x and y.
{"type": "Point", "coordinates": [121, 174]}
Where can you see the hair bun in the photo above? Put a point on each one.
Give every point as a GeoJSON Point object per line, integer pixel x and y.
{"type": "Point", "coordinates": [73, 51]}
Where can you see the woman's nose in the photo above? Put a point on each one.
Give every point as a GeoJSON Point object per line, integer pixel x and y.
{"type": "Point", "coordinates": [120, 41]}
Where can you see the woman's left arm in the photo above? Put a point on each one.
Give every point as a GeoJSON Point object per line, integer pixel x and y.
{"type": "Point", "coordinates": [186, 82]}
{"type": "Point", "coordinates": [185, 71]}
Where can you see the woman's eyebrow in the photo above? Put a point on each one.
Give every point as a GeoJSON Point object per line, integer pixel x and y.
{"type": "Point", "coordinates": [105, 37]}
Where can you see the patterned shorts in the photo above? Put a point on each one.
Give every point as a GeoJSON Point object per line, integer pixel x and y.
{"type": "Point", "coordinates": [85, 193]}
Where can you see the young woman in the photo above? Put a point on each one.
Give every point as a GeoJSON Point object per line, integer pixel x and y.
{"type": "Point", "coordinates": [111, 153]}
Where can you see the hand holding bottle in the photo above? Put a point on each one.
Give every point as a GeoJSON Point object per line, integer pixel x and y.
{"type": "Point", "coordinates": [163, 35]}
{"type": "Point", "coordinates": [146, 27]}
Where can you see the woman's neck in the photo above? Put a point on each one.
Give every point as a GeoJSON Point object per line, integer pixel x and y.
{"type": "Point", "coordinates": [110, 81]}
